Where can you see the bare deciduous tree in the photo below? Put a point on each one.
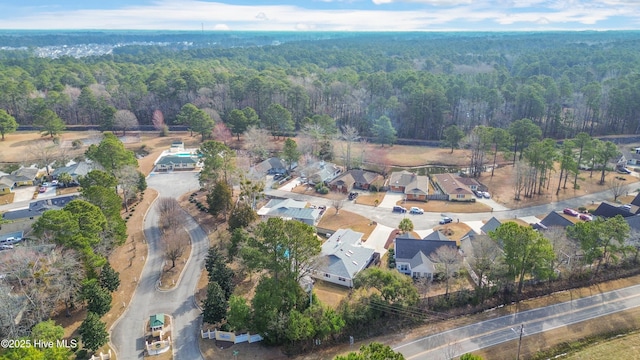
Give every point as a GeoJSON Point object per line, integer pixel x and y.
{"type": "Point", "coordinates": [337, 201]}
{"type": "Point", "coordinates": [349, 134]}
{"type": "Point", "coordinates": [484, 261]}
{"type": "Point", "coordinates": [520, 178]}
{"type": "Point", "coordinates": [171, 215]}
{"type": "Point", "coordinates": [448, 261]}
{"type": "Point", "coordinates": [564, 248]}
{"type": "Point", "coordinates": [617, 188]}
{"type": "Point", "coordinates": [124, 119]}
{"type": "Point", "coordinates": [173, 245]}
{"type": "Point", "coordinates": [44, 153]}
{"type": "Point", "coordinates": [256, 140]}
{"type": "Point", "coordinates": [128, 180]}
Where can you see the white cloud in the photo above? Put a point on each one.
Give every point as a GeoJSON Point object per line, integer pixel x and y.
{"type": "Point", "coordinates": [190, 14]}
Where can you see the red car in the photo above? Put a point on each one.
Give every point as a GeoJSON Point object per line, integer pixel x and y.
{"type": "Point", "coordinates": [586, 217]}
{"type": "Point", "coordinates": [42, 189]}
{"type": "Point", "coordinates": [570, 212]}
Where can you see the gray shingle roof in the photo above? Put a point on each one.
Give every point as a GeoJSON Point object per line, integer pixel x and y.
{"type": "Point", "coordinates": [78, 169]}
{"type": "Point", "coordinates": [401, 178]}
{"type": "Point", "coordinates": [36, 208]}
{"type": "Point", "coordinates": [436, 235]}
{"type": "Point", "coordinates": [172, 159]}
{"type": "Point", "coordinates": [555, 219]}
{"type": "Point", "coordinates": [406, 249]}
{"type": "Point", "coordinates": [607, 210]}
{"type": "Point", "coordinates": [491, 225]}
{"type": "Point", "coordinates": [345, 254]}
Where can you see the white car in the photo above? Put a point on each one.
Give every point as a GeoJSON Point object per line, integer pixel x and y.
{"type": "Point", "coordinates": [416, 210]}
{"type": "Point", "coordinates": [486, 195]}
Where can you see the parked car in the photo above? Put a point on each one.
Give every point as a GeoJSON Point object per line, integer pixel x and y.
{"type": "Point", "coordinates": [571, 212]}
{"type": "Point", "coordinates": [446, 220]}
{"type": "Point", "coordinates": [353, 195]}
{"type": "Point", "coordinates": [45, 184]}
{"type": "Point", "coordinates": [322, 209]}
{"type": "Point", "coordinates": [278, 176]}
{"type": "Point", "coordinates": [54, 183]}
{"type": "Point", "coordinates": [586, 217]}
{"type": "Point", "coordinates": [6, 247]}
{"type": "Point", "coordinates": [626, 207]}
{"type": "Point", "coordinates": [416, 210]}
{"type": "Point", "coordinates": [42, 189]}
{"type": "Point", "coordinates": [399, 209]}
{"type": "Point", "coordinates": [478, 194]}
{"type": "Point", "coordinates": [486, 195]}
{"type": "Point", "coordinates": [624, 170]}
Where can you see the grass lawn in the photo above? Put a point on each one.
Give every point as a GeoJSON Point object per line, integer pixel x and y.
{"type": "Point", "coordinates": [370, 198]}
{"type": "Point", "coordinates": [454, 231]}
{"type": "Point", "coordinates": [346, 220]}
{"type": "Point", "coordinates": [447, 206]}
{"type": "Point", "coordinates": [7, 198]}
{"type": "Point", "coordinates": [330, 294]}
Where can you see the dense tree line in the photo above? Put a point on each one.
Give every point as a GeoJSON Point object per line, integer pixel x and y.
{"type": "Point", "coordinates": [565, 83]}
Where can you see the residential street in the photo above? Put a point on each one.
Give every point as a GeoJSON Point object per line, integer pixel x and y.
{"type": "Point", "coordinates": [455, 342]}
{"type": "Point", "coordinates": [127, 334]}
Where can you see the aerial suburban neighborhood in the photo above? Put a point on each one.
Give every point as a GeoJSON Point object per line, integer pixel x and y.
{"type": "Point", "coordinates": [253, 199]}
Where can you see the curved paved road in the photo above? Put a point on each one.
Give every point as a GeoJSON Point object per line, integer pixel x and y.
{"type": "Point", "coordinates": [455, 342]}
{"type": "Point", "coordinates": [127, 335]}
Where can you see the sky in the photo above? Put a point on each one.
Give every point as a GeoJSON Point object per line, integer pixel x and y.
{"type": "Point", "coordinates": [322, 15]}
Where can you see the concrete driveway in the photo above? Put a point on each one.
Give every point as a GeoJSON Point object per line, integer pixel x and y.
{"type": "Point", "coordinates": [390, 200]}
{"type": "Point", "coordinates": [23, 193]}
{"type": "Point", "coordinates": [378, 238]}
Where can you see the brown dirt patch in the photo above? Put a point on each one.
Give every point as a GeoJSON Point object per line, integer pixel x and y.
{"type": "Point", "coordinates": [346, 219]}
{"type": "Point", "coordinates": [245, 351]}
{"type": "Point", "coordinates": [517, 221]}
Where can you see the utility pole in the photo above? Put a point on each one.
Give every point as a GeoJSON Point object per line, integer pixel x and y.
{"type": "Point", "coordinates": [520, 340]}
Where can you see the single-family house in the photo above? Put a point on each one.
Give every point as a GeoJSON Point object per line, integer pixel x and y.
{"type": "Point", "coordinates": [342, 257]}
{"type": "Point", "coordinates": [629, 157]}
{"type": "Point", "coordinates": [413, 255]}
{"type": "Point", "coordinates": [491, 225]}
{"type": "Point", "coordinates": [636, 200]}
{"type": "Point", "coordinates": [451, 185]}
{"type": "Point", "coordinates": [356, 179]}
{"type": "Point", "coordinates": [634, 222]}
{"type": "Point", "coordinates": [176, 146]}
{"type": "Point", "coordinates": [555, 219]}
{"type": "Point", "coordinates": [6, 185]}
{"type": "Point", "coordinates": [607, 210]}
{"type": "Point", "coordinates": [290, 209]}
{"type": "Point", "coordinates": [36, 208]}
{"type": "Point", "coordinates": [272, 165]}
{"type": "Point", "coordinates": [472, 183]}
{"type": "Point", "coordinates": [24, 176]}
{"type": "Point", "coordinates": [174, 162]}
{"type": "Point", "coordinates": [76, 170]}
{"type": "Point", "coordinates": [320, 172]}
{"type": "Point", "coordinates": [415, 187]}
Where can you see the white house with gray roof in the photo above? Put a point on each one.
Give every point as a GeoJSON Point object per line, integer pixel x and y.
{"type": "Point", "coordinates": [413, 255]}
{"type": "Point", "coordinates": [342, 257]}
{"type": "Point", "coordinates": [290, 209]}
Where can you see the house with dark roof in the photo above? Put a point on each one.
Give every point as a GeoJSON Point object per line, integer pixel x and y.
{"type": "Point", "coordinates": [554, 219]}
{"type": "Point", "coordinates": [472, 183]}
{"type": "Point", "coordinates": [76, 170]}
{"type": "Point", "coordinates": [413, 255]}
{"type": "Point", "coordinates": [491, 225]}
{"type": "Point", "coordinates": [634, 222]}
{"type": "Point", "coordinates": [356, 179]}
{"type": "Point", "coordinates": [607, 210]}
{"type": "Point", "coordinates": [36, 208]}
{"type": "Point", "coordinates": [174, 162]}
{"type": "Point", "coordinates": [320, 172]}
{"type": "Point", "coordinates": [451, 185]}
{"type": "Point", "coordinates": [636, 200]}
{"type": "Point", "coordinates": [290, 209]}
{"type": "Point", "coordinates": [342, 257]}
{"type": "Point", "coordinates": [271, 166]}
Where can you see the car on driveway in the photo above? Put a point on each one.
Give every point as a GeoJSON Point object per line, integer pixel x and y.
{"type": "Point", "coordinates": [586, 217]}
{"type": "Point", "coordinates": [399, 209]}
{"type": "Point", "coordinates": [624, 170]}
{"type": "Point", "coordinates": [353, 195]}
{"type": "Point", "coordinates": [446, 220]}
{"type": "Point", "coordinates": [571, 212]}
{"type": "Point", "coordinates": [416, 210]}
{"type": "Point", "coordinates": [42, 189]}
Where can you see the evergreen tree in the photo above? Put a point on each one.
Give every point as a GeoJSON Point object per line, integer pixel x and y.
{"type": "Point", "coordinates": [93, 332]}
{"type": "Point", "coordinates": [109, 278]}
{"type": "Point", "coordinates": [214, 307]}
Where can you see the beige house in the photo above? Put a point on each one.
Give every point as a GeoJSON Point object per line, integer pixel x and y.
{"type": "Point", "coordinates": [173, 162]}
{"type": "Point", "coordinates": [452, 186]}
{"type": "Point", "coordinates": [415, 187]}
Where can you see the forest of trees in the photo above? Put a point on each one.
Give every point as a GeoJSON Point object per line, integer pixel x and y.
{"type": "Point", "coordinates": [566, 83]}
